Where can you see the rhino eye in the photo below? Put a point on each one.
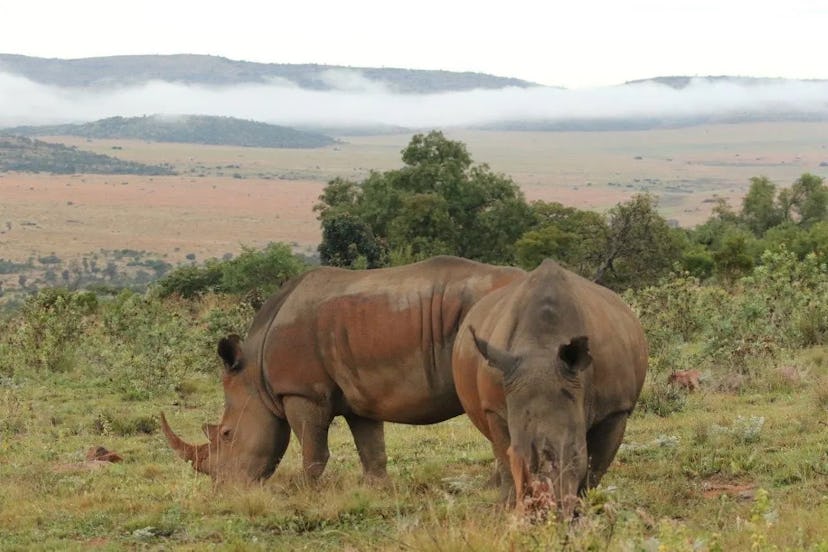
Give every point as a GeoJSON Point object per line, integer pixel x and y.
{"type": "Point", "coordinates": [226, 434]}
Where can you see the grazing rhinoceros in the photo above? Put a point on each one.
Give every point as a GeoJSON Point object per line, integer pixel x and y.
{"type": "Point", "coordinates": [371, 346]}
{"type": "Point", "coordinates": [549, 369]}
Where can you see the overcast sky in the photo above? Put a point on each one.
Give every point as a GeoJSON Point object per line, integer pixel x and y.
{"type": "Point", "coordinates": [575, 44]}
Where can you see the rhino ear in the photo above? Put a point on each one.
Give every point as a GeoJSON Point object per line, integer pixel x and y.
{"type": "Point", "coordinates": [230, 351]}
{"type": "Point", "coordinates": [503, 360]}
{"type": "Point", "coordinates": [575, 354]}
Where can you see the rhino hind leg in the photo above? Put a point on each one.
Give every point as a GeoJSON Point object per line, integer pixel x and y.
{"type": "Point", "coordinates": [310, 421]}
{"type": "Point", "coordinates": [369, 438]}
{"type": "Point", "coordinates": [603, 441]}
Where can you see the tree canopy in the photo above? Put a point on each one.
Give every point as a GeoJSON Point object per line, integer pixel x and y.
{"type": "Point", "coordinates": [439, 202]}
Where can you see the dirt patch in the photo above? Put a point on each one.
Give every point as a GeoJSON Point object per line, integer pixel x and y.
{"type": "Point", "coordinates": [713, 488]}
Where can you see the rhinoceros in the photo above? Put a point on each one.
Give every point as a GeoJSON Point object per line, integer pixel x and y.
{"type": "Point", "coordinates": [371, 346]}
{"type": "Point", "coordinates": [549, 369]}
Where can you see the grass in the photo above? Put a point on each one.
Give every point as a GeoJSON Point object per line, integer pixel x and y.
{"type": "Point", "coordinates": [710, 477]}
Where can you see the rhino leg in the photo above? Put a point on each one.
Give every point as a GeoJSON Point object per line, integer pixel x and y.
{"type": "Point", "coordinates": [310, 421]}
{"type": "Point", "coordinates": [499, 434]}
{"type": "Point", "coordinates": [603, 441]}
{"type": "Point", "coordinates": [494, 480]}
{"type": "Point", "coordinates": [369, 437]}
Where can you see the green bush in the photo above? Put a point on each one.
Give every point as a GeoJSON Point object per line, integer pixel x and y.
{"type": "Point", "coordinates": [142, 345]}
{"type": "Point", "coordinates": [782, 304]}
{"type": "Point", "coordinates": [42, 335]}
{"type": "Point", "coordinates": [260, 271]}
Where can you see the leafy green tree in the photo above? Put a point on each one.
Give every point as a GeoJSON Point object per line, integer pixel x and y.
{"type": "Point", "coordinates": [571, 236]}
{"type": "Point", "coordinates": [698, 261]}
{"type": "Point", "coordinates": [808, 199]}
{"type": "Point", "coordinates": [546, 242]}
{"type": "Point", "coordinates": [438, 202]}
{"type": "Point", "coordinates": [338, 194]}
{"type": "Point", "coordinates": [348, 241]}
{"type": "Point", "coordinates": [640, 247]}
{"type": "Point", "coordinates": [759, 209]}
{"type": "Point", "coordinates": [735, 255]}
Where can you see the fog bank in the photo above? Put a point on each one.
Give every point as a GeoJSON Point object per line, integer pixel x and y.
{"type": "Point", "coordinates": [357, 101]}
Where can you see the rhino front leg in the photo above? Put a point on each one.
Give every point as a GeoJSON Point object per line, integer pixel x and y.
{"type": "Point", "coordinates": [310, 421]}
{"type": "Point", "coordinates": [499, 435]}
{"type": "Point", "coordinates": [369, 437]}
{"type": "Point", "coordinates": [603, 441]}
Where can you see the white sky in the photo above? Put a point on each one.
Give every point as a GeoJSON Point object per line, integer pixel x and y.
{"type": "Point", "coordinates": [574, 43]}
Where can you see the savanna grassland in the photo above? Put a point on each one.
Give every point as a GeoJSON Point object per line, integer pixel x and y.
{"type": "Point", "coordinates": [740, 464]}
{"type": "Point", "coordinates": [224, 197]}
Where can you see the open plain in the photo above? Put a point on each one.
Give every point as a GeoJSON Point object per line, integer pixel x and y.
{"type": "Point", "coordinates": [227, 196]}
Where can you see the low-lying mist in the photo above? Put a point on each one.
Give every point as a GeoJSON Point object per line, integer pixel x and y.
{"type": "Point", "coordinates": [356, 101]}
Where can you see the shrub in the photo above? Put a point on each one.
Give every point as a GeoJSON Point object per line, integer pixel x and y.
{"type": "Point", "coordinates": [43, 334]}
{"type": "Point", "coordinates": [261, 271]}
{"type": "Point", "coordinates": [662, 399]}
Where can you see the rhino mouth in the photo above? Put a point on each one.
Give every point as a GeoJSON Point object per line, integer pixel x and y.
{"type": "Point", "coordinates": [195, 454]}
{"type": "Point", "coordinates": [540, 493]}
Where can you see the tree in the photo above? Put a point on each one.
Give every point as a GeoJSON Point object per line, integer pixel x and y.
{"type": "Point", "coordinates": [438, 202]}
{"type": "Point", "coordinates": [546, 242]}
{"type": "Point", "coordinates": [573, 237]}
{"type": "Point", "coordinates": [640, 246]}
{"type": "Point", "coordinates": [808, 198]}
{"type": "Point", "coordinates": [759, 209]}
{"type": "Point", "coordinates": [734, 256]}
{"type": "Point", "coordinates": [338, 194]}
{"type": "Point", "coordinates": [346, 239]}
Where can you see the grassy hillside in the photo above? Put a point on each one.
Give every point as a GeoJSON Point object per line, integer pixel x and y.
{"type": "Point", "coordinates": [193, 129]}
{"type": "Point", "coordinates": [213, 70]}
{"type": "Point", "coordinates": [21, 154]}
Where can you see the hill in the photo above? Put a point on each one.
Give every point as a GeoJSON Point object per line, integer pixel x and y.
{"type": "Point", "coordinates": [218, 71]}
{"type": "Point", "coordinates": [682, 82]}
{"type": "Point", "coordinates": [21, 154]}
{"type": "Point", "coordinates": [194, 129]}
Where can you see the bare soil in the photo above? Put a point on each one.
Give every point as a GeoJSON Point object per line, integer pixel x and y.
{"type": "Point", "coordinates": [175, 216]}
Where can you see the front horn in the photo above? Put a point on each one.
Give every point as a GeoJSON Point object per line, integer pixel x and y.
{"type": "Point", "coordinates": [196, 455]}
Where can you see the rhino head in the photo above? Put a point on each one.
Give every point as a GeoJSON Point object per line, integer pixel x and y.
{"type": "Point", "coordinates": [545, 392]}
{"type": "Point", "coordinates": [250, 440]}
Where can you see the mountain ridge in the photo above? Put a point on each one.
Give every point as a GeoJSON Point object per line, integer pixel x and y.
{"type": "Point", "coordinates": [221, 71]}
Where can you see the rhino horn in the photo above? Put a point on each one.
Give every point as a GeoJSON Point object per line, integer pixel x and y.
{"type": "Point", "coordinates": [191, 453]}
{"type": "Point", "coordinates": [498, 358]}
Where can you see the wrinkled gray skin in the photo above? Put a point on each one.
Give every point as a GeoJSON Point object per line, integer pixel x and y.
{"type": "Point", "coordinates": [549, 369]}
{"type": "Point", "coordinates": [371, 346]}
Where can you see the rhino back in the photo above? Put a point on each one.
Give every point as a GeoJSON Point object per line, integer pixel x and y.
{"type": "Point", "coordinates": [377, 343]}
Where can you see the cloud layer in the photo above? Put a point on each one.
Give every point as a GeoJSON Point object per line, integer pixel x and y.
{"type": "Point", "coordinates": [357, 101]}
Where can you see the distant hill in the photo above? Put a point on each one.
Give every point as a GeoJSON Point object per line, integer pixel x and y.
{"type": "Point", "coordinates": [214, 70]}
{"type": "Point", "coordinates": [194, 129]}
{"type": "Point", "coordinates": [21, 154]}
{"type": "Point", "coordinates": [601, 124]}
{"type": "Point", "coordinates": [681, 82]}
